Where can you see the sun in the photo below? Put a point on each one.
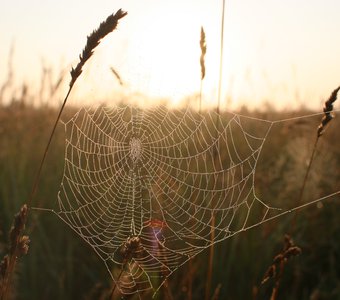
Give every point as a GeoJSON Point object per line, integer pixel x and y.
{"type": "Point", "coordinates": [158, 54]}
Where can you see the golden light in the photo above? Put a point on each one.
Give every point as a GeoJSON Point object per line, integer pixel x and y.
{"type": "Point", "coordinates": [158, 54]}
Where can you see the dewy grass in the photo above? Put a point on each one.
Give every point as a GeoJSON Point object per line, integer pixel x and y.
{"type": "Point", "coordinates": [328, 116]}
{"type": "Point", "coordinates": [18, 241]}
{"type": "Point", "coordinates": [276, 269]}
{"type": "Point", "coordinates": [18, 247]}
{"type": "Point", "coordinates": [203, 46]}
{"type": "Point", "coordinates": [93, 41]}
{"type": "Point", "coordinates": [212, 234]}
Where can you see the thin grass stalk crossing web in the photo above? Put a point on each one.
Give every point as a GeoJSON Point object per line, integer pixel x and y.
{"type": "Point", "coordinates": [141, 186]}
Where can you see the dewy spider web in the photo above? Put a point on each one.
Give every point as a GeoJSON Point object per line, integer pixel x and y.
{"type": "Point", "coordinates": [145, 188]}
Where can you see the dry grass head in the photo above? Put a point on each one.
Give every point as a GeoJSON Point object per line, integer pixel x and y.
{"type": "Point", "coordinates": [116, 74]}
{"type": "Point", "coordinates": [93, 41]}
{"type": "Point", "coordinates": [276, 269]}
{"type": "Point", "coordinates": [17, 241]}
{"type": "Point", "coordinates": [18, 247]}
{"type": "Point", "coordinates": [328, 115]}
{"type": "Point", "coordinates": [203, 47]}
{"type": "Point", "coordinates": [131, 248]}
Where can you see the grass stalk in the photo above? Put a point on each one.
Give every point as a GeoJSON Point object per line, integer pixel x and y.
{"type": "Point", "coordinates": [276, 269]}
{"type": "Point", "coordinates": [327, 117]}
{"type": "Point", "coordinates": [290, 249]}
{"type": "Point", "coordinates": [211, 259]}
{"type": "Point", "coordinates": [115, 285]}
{"type": "Point", "coordinates": [221, 59]}
{"type": "Point", "coordinates": [93, 41]}
{"type": "Point", "coordinates": [203, 47]}
{"type": "Point", "coordinates": [190, 279]}
{"type": "Point", "coordinates": [212, 223]}
{"type": "Point", "coordinates": [19, 245]}
{"type": "Point", "coordinates": [9, 80]}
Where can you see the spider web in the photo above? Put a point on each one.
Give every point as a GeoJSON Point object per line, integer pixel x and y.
{"type": "Point", "coordinates": [147, 187]}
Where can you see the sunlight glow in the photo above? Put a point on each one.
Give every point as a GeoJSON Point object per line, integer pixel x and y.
{"type": "Point", "coordinates": [161, 58]}
{"type": "Point", "coordinates": [269, 54]}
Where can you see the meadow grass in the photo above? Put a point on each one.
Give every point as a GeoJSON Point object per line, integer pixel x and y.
{"type": "Point", "coordinates": [61, 266]}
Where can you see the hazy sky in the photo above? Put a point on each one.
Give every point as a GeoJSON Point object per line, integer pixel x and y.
{"type": "Point", "coordinates": [285, 52]}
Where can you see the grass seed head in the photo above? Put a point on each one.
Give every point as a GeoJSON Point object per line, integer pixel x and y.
{"type": "Point", "coordinates": [17, 228]}
{"type": "Point", "coordinates": [328, 112]}
{"type": "Point", "coordinates": [23, 245]}
{"type": "Point", "coordinates": [131, 247]}
{"type": "Point", "coordinates": [4, 266]}
{"type": "Point", "coordinates": [203, 47]}
{"type": "Point", "coordinates": [93, 41]}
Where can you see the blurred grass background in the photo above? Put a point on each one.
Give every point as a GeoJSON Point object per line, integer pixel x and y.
{"type": "Point", "coordinates": [60, 265]}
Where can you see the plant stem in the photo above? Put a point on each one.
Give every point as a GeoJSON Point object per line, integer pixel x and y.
{"type": "Point", "coordinates": [37, 177]}
{"type": "Point", "coordinates": [201, 87]}
{"type": "Point", "coordinates": [93, 41]}
{"type": "Point", "coordinates": [293, 224]}
{"type": "Point", "coordinates": [212, 233]}
{"type": "Point", "coordinates": [211, 258]}
{"type": "Point", "coordinates": [190, 280]}
{"type": "Point", "coordinates": [221, 59]}
{"type": "Point", "coordinates": [308, 169]}
{"type": "Point", "coordinates": [277, 281]}
{"type": "Point", "coordinates": [114, 287]}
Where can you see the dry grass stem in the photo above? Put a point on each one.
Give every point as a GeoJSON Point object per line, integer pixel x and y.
{"type": "Point", "coordinates": [203, 47]}
{"type": "Point", "coordinates": [132, 247]}
{"type": "Point", "coordinates": [9, 79]}
{"type": "Point", "coordinates": [211, 258]}
{"type": "Point", "coordinates": [93, 41]}
{"type": "Point", "coordinates": [18, 247]}
{"type": "Point", "coordinates": [291, 250]}
{"type": "Point", "coordinates": [115, 73]}
{"type": "Point", "coordinates": [212, 234]}
{"type": "Point", "coordinates": [276, 269]}
{"type": "Point", "coordinates": [19, 242]}
{"type": "Point", "coordinates": [221, 59]}
{"type": "Point", "coordinates": [190, 279]}
{"type": "Point", "coordinates": [328, 115]}
{"type": "Point", "coordinates": [217, 292]}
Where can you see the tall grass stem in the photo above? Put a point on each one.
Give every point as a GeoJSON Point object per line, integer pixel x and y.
{"type": "Point", "coordinates": [221, 59]}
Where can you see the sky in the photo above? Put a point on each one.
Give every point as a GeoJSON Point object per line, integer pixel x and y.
{"type": "Point", "coordinates": [285, 53]}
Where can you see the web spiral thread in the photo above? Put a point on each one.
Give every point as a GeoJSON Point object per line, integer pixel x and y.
{"type": "Point", "coordinates": [142, 186]}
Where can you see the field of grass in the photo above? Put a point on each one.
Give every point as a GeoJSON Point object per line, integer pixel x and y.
{"type": "Point", "coordinates": [59, 265]}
